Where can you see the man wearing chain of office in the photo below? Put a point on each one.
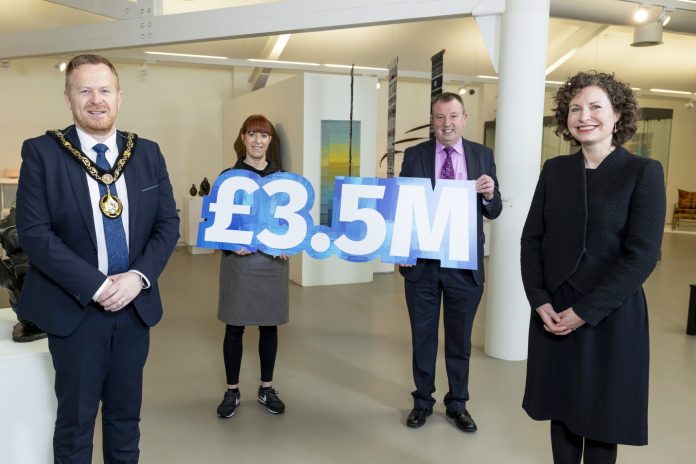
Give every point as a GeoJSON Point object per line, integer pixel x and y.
{"type": "Point", "coordinates": [97, 218]}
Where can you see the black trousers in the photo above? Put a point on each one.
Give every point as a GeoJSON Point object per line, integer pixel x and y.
{"type": "Point", "coordinates": [459, 294]}
{"type": "Point", "coordinates": [569, 448]}
{"type": "Point", "coordinates": [233, 348]}
{"type": "Point", "coordinates": [102, 360]}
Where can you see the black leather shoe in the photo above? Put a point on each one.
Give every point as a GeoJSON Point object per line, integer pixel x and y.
{"type": "Point", "coordinates": [417, 417]}
{"type": "Point", "coordinates": [463, 420]}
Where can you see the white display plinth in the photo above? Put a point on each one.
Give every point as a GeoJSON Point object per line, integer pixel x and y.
{"type": "Point", "coordinates": [27, 399]}
{"type": "Point", "coordinates": [192, 218]}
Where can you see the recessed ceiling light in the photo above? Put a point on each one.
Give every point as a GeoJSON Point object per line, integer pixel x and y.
{"type": "Point", "coordinates": [187, 55]}
{"type": "Point", "coordinates": [257, 60]}
{"type": "Point", "coordinates": [347, 66]}
{"type": "Point", "coordinates": [678, 92]}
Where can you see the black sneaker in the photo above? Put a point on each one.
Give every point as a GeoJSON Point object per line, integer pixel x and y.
{"type": "Point", "coordinates": [229, 403]}
{"type": "Point", "coordinates": [269, 398]}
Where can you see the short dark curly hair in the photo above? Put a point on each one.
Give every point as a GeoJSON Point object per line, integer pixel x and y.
{"type": "Point", "coordinates": [622, 98]}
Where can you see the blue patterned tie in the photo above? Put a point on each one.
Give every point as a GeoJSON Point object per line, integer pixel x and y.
{"type": "Point", "coordinates": [447, 171]}
{"type": "Point", "coordinates": [116, 246]}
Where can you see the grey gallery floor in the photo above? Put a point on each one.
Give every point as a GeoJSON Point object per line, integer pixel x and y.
{"type": "Point", "coordinates": [343, 370]}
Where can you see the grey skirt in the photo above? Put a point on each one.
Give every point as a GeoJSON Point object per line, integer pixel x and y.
{"type": "Point", "coordinates": [253, 290]}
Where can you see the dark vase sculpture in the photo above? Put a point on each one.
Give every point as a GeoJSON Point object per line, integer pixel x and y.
{"type": "Point", "coordinates": [204, 188]}
{"type": "Point", "coordinates": [193, 191]}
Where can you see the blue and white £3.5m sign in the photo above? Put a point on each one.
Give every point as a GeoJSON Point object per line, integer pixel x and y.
{"type": "Point", "coordinates": [397, 220]}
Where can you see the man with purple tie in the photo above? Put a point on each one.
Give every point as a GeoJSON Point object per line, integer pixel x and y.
{"type": "Point", "coordinates": [427, 284]}
{"type": "Point", "coordinates": [97, 219]}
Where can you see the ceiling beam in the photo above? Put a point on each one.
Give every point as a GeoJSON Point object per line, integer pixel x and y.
{"type": "Point", "coordinates": [117, 9]}
{"type": "Point", "coordinates": [281, 17]}
{"type": "Point", "coordinates": [271, 51]}
{"type": "Point", "coordinates": [489, 18]}
{"type": "Point", "coordinates": [561, 52]}
{"type": "Point", "coordinates": [668, 4]}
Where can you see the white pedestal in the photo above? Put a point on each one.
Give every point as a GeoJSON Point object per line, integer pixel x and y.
{"type": "Point", "coordinates": [27, 399]}
{"type": "Point", "coordinates": [192, 218]}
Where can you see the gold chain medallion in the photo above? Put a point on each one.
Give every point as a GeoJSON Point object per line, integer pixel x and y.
{"type": "Point", "coordinates": [110, 205]}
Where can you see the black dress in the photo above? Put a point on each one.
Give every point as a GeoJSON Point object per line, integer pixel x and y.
{"type": "Point", "coordinates": [595, 379]}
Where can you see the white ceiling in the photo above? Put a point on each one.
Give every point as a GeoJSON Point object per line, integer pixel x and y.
{"type": "Point", "coordinates": [671, 65]}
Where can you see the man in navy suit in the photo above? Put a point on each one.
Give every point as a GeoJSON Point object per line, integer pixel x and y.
{"type": "Point", "coordinates": [97, 218]}
{"type": "Point", "coordinates": [426, 283]}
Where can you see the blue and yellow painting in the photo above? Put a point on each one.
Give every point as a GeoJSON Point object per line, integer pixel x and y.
{"type": "Point", "coordinates": [336, 161]}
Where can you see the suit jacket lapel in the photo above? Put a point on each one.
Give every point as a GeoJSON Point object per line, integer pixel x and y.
{"type": "Point", "coordinates": [132, 186]}
{"type": "Point", "coordinates": [428, 160]}
{"type": "Point", "coordinates": [472, 166]}
{"type": "Point", "coordinates": [78, 181]}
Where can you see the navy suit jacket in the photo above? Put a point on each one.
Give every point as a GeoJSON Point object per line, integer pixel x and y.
{"type": "Point", "coordinates": [419, 161]}
{"type": "Point", "coordinates": [56, 229]}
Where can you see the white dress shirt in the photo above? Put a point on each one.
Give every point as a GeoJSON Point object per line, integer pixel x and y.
{"type": "Point", "coordinates": [87, 142]}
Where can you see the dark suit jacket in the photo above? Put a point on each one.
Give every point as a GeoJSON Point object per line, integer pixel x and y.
{"type": "Point", "coordinates": [419, 161]}
{"type": "Point", "coordinates": [603, 240]}
{"type": "Point", "coordinates": [56, 229]}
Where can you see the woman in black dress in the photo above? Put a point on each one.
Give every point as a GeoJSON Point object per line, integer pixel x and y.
{"type": "Point", "coordinates": [253, 288]}
{"type": "Point", "coordinates": [591, 238]}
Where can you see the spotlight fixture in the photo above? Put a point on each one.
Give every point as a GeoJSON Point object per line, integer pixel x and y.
{"type": "Point", "coordinates": [144, 69]}
{"type": "Point", "coordinates": [61, 65]}
{"type": "Point", "coordinates": [640, 15]}
{"type": "Point", "coordinates": [689, 105]}
{"type": "Point", "coordinates": [5, 64]}
{"type": "Point", "coordinates": [647, 35]}
{"type": "Point", "coordinates": [378, 86]}
{"type": "Point", "coordinates": [462, 90]}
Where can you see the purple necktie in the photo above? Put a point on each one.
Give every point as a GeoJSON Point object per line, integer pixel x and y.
{"type": "Point", "coordinates": [447, 171]}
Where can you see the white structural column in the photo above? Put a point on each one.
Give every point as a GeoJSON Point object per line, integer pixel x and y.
{"type": "Point", "coordinates": [518, 134]}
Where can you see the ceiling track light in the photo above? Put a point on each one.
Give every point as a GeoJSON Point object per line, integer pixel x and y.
{"type": "Point", "coordinates": [641, 14]}
{"type": "Point", "coordinates": [61, 65]}
{"type": "Point", "coordinates": [647, 35]}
